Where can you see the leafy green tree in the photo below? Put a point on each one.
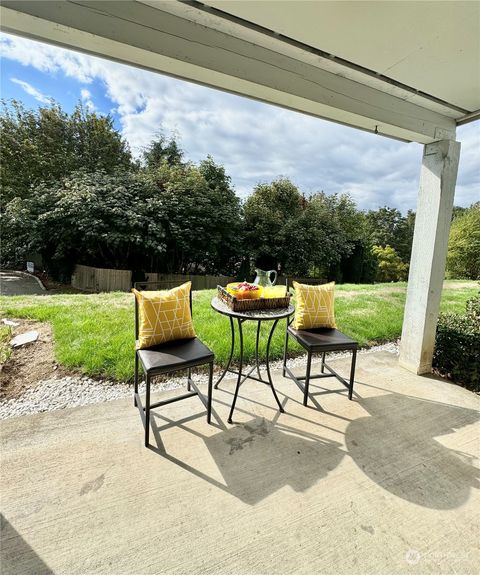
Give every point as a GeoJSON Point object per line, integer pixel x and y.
{"type": "Point", "coordinates": [271, 213]}
{"type": "Point", "coordinates": [387, 226]}
{"type": "Point", "coordinates": [404, 236]}
{"type": "Point", "coordinates": [463, 259]}
{"type": "Point", "coordinates": [201, 217]}
{"type": "Point", "coordinates": [301, 236]}
{"type": "Point", "coordinates": [163, 150]}
{"type": "Point", "coordinates": [390, 265]}
{"type": "Point", "coordinates": [225, 217]}
{"type": "Point", "coordinates": [359, 266]}
{"type": "Point", "coordinates": [458, 211]}
{"type": "Point", "coordinates": [47, 144]}
{"type": "Point", "coordinates": [334, 226]}
{"type": "Point", "coordinates": [99, 219]}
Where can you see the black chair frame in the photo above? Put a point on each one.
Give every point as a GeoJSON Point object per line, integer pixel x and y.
{"type": "Point", "coordinates": [149, 373]}
{"type": "Point", "coordinates": [303, 382]}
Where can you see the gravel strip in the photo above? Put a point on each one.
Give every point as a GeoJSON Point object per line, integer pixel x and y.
{"type": "Point", "coordinates": [74, 391]}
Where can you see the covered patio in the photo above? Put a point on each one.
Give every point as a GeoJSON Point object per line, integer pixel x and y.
{"type": "Point", "coordinates": [405, 70]}
{"type": "Point", "coordinates": [387, 483]}
{"type": "Point", "coordinates": [382, 484]}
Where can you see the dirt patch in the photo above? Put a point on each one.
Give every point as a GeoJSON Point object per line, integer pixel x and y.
{"type": "Point", "coordinates": [54, 287]}
{"type": "Point", "coordinates": [30, 363]}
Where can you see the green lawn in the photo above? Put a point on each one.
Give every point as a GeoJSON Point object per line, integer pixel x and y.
{"type": "Point", "coordinates": [94, 333]}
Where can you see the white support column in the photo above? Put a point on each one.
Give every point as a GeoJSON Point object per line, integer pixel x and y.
{"type": "Point", "coordinates": [429, 253]}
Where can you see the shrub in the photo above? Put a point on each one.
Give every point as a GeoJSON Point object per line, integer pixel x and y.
{"type": "Point", "coordinates": [457, 346]}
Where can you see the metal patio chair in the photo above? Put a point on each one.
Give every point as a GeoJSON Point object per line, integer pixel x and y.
{"type": "Point", "coordinates": [170, 357]}
{"type": "Point", "coordinates": [319, 340]}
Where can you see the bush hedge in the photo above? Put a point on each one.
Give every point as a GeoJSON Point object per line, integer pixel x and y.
{"type": "Point", "coordinates": [457, 346]}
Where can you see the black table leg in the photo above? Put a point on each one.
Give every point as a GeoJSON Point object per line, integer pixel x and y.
{"type": "Point", "coordinates": [257, 342]}
{"type": "Point", "coordinates": [239, 379]}
{"type": "Point", "coordinates": [232, 328]}
{"type": "Point", "coordinates": [280, 407]}
{"type": "Point", "coordinates": [285, 350]}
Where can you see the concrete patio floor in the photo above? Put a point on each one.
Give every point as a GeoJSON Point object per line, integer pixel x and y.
{"type": "Point", "coordinates": [384, 484]}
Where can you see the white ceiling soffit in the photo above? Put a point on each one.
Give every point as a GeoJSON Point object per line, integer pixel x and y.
{"type": "Point", "coordinates": [194, 42]}
{"type": "Point", "coordinates": [433, 47]}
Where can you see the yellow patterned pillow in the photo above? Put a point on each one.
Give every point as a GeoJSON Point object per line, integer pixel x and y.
{"type": "Point", "coordinates": [164, 315]}
{"type": "Point", "coordinates": [315, 306]}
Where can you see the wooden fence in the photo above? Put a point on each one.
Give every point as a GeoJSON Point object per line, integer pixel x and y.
{"type": "Point", "coordinates": [198, 282]}
{"type": "Point", "coordinates": [98, 279]}
{"type": "Point", "coordinates": [91, 279]}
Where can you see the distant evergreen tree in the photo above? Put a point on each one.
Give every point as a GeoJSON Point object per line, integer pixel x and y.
{"type": "Point", "coordinates": [163, 150]}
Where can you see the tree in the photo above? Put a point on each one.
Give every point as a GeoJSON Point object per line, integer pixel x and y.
{"type": "Point", "coordinates": [161, 150]}
{"type": "Point", "coordinates": [404, 236]}
{"type": "Point", "coordinates": [336, 226]}
{"type": "Point", "coordinates": [463, 259]}
{"type": "Point", "coordinates": [359, 266]}
{"type": "Point", "coordinates": [97, 219]}
{"type": "Point", "coordinates": [457, 211]}
{"type": "Point", "coordinates": [225, 217]}
{"type": "Point", "coordinates": [302, 236]}
{"type": "Point", "coordinates": [387, 226]}
{"type": "Point", "coordinates": [201, 217]}
{"type": "Point", "coordinates": [271, 213]}
{"type": "Point", "coordinates": [48, 144]}
{"type": "Point", "coordinates": [390, 265]}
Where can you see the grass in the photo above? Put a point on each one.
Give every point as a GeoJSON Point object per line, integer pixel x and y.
{"type": "Point", "coordinates": [93, 333]}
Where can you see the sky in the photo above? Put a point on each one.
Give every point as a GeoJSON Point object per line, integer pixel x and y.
{"type": "Point", "coordinates": [256, 142]}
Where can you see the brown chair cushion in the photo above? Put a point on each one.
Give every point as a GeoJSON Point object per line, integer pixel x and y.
{"type": "Point", "coordinates": [175, 355]}
{"type": "Point", "coordinates": [323, 339]}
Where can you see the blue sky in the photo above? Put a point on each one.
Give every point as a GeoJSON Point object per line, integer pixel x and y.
{"type": "Point", "coordinates": [256, 142]}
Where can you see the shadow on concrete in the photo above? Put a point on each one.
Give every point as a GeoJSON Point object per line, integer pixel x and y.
{"type": "Point", "coordinates": [396, 446]}
{"type": "Point", "coordinates": [258, 457]}
{"type": "Point", "coordinates": [16, 556]}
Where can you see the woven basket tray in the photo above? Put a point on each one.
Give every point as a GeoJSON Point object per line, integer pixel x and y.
{"type": "Point", "coordinates": [252, 304]}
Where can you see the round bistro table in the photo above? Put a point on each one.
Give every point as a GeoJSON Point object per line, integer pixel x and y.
{"type": "Point", "coordinates": [260, 315]}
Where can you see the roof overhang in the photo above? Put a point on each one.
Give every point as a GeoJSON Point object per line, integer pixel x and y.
{"type": "Point", "coordinates": [231, 49]}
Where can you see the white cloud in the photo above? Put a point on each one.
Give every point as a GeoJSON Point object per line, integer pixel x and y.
{"type": "Point", "coordinates": [47, 58]}
{"type": "Point", "coordinates": [256, 142]}
{"type": "Point", "coordinates": [86, 98]}
{"type": "Point", "coordinates": [31, 90]}
{"type": "Point", "coordinates": [468, 184]}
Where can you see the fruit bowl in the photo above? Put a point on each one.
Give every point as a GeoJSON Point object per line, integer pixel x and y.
{"type": "Point", "coordinates": [232, 288]}
{"type": "Point", "coordinates": [251, 299]}
{"type": "Point", "coordinates": [244, 290]}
